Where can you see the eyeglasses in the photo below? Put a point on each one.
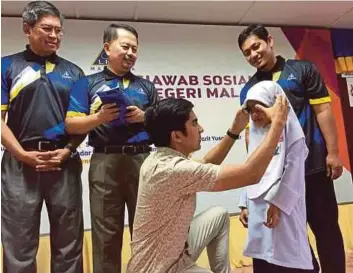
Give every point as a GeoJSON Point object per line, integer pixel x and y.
{"type": "Point", "coordinates": [47, 29]}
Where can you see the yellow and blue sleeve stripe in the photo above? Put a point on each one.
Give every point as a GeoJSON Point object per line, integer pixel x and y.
{"type": "Point", "coordinates": [5, 66]}
{"type": "Point", "coordinates": [320, 100]}
{"type": "Point", "coordinates": [79, 101]}
{"type": "Point", "coordinates": [70, 114]}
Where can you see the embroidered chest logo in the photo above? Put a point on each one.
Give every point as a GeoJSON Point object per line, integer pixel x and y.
{"type": "Point", "coordinates": [291, 77]}
{"type": "Point", "coordinates": [66, 75]}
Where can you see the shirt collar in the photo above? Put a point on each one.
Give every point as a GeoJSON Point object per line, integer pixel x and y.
{"type": "Point", "coordinates": [170, 151]}
{"type": "Point", "coordinates": [110, 75]}
{"type": "Point", "coordinates": [31, 56]}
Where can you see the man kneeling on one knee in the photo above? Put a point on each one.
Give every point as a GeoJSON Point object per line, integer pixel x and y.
{"type": "Point", "coordinates": [166, 237]}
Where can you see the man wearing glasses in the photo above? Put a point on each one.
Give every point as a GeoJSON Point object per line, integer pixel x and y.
{"type": "Point", "coordinates": [40, 161]}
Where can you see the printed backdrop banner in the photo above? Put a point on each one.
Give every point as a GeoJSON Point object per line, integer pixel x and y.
{"type": "Point", "coordinates": [199, 63]}
{"type": "Point", "coordinates": [350, 90]}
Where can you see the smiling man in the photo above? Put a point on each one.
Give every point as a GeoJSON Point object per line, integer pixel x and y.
{"type": "Point", "coordinates": [39, 163]}
{"type": "Point", "coordinates": [110, 105]}
{"type": "Point", "coordinates": [307, 93]}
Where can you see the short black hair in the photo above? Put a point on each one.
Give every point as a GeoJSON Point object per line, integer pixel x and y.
{"type": "Point", "coordinates": [166, 116]}
{"type": "Point", "coordinates": [111, 34]}
{"type": "Point", "coordinates": [255, 29]}
{"type": "Point", "coordinates": [35, 10]}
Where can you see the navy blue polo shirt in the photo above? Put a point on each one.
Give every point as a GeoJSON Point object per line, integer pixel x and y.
{"type": "Point", "coordinates": [304, 87]}
{"type": "Point", "coordinates": [85, 100]}
{"type": "Point", "coordinates": [35, 93]}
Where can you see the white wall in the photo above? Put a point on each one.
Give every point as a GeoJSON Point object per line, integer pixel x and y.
{"type": "Point", "coordinates": [203, 52]}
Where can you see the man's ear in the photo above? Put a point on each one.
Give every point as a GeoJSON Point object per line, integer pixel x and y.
{"type": "Point", "coordinates": [26, 29]}
{"type": "Point", "coordinates": [106, 47]}
{"type": "Point", "coordinates": [270, 41]}
{"type": "Point", "coordinates": [175, 136]}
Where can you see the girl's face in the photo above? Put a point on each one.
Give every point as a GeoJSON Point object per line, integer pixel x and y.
{"type": "Point", "coordinates": [257, 116]}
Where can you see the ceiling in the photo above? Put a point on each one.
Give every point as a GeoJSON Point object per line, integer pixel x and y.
{"type": "Point", "coordinates": [335, 14]}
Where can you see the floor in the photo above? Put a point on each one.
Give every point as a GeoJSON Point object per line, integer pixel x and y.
{"type": "Point", "coordinates": [349, 264]}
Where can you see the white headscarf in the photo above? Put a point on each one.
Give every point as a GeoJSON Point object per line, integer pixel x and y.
{"type": "Point", "coordinates": [266, 92]}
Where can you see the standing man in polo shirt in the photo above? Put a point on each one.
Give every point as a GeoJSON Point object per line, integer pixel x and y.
{"type": "Point", "coordinates": [39, 162]}
{"type": "Point", "coordinates": [116, 131]}
{"type": "Point", "coordinates": [310, 99]}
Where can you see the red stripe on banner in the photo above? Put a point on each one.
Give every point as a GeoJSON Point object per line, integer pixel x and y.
{"type": "Point", "coordinates": [315, 45]}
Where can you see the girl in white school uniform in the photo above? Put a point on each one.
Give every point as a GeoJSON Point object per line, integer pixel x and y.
{"type": "Point", "coordinates": [277, 232]}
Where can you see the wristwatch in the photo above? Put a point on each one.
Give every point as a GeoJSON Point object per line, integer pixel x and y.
{"type": "Point", "coordinates": [71, 148]}
{"type": "Point", "coordinates": [231, 135]}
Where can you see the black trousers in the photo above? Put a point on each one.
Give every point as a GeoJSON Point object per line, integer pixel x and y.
{"type": "Point", "coordinates": [322, 216]}
{"type": "Point", "coordinates": [113, 182]}
{"type": "Point", "coordinates": [261, 266]}
{"type": "Point", "coordinates": [23, 191]}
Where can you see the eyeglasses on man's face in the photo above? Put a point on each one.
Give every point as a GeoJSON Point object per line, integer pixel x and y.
{"type": "Point", "coordinates": [48, 30]}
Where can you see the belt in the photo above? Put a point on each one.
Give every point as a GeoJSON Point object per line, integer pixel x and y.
{"type": "Point", "coordinates": [43, 145]}
{"type": "Point", "coordinates": [123, 149]}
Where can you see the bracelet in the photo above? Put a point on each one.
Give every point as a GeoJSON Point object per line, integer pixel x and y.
{"type": "Point", "coordinates": [232, 136]}
{"type": "Point", "coordinates": [71, 148]}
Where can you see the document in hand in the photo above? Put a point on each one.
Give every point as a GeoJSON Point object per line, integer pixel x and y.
{"type": "Point", "coordinates": [121, 101]}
